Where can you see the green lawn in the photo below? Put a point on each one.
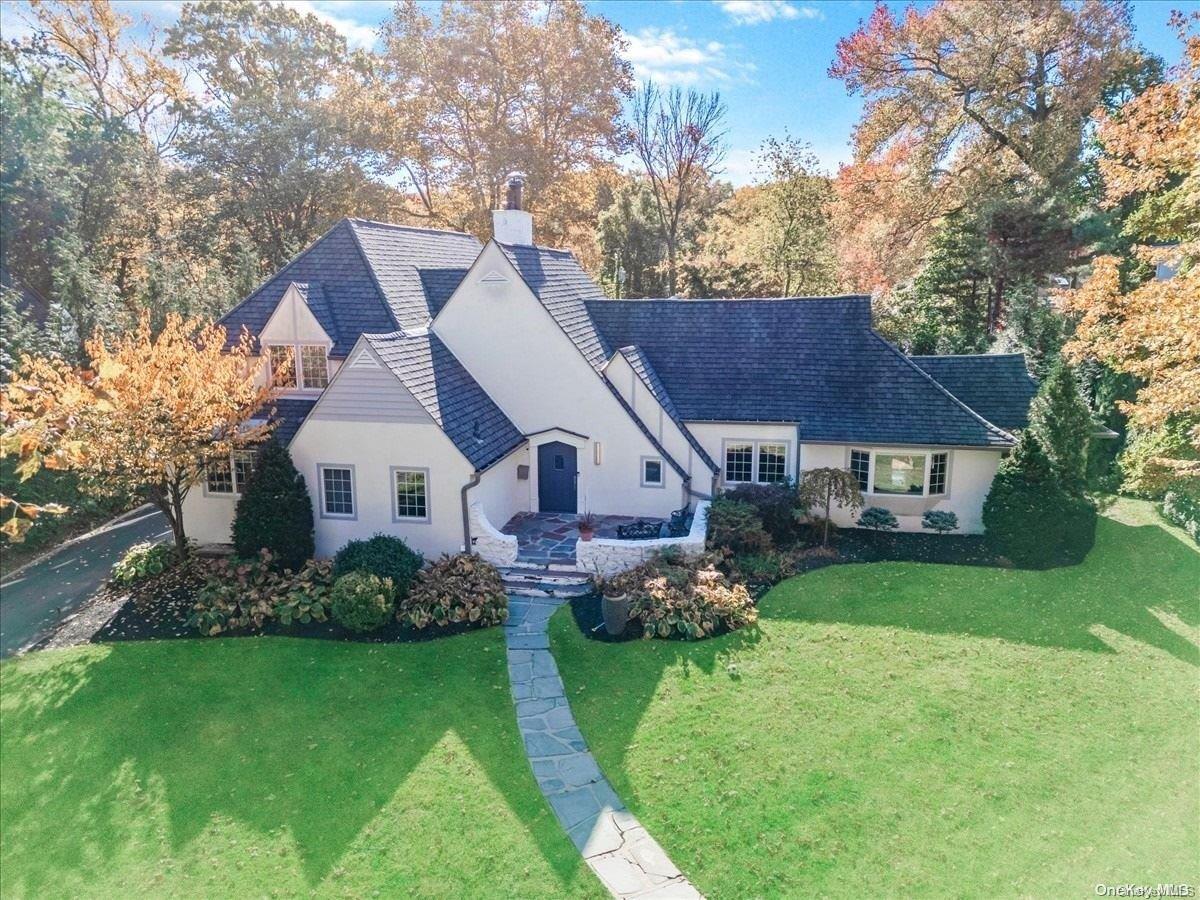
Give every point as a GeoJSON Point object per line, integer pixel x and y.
{"type": "Point", "coordinates": [901, 728]}
{"type": "Point", "coordinates": [272, 767]}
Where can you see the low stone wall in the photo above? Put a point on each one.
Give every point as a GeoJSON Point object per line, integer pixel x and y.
{"type": "Point", "coordinates": [610, 556]}
{"type": "Point", "coordinates": [497, 548]}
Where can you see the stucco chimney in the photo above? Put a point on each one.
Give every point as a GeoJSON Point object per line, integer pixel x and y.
{"type": "Point", "coordinates": [512, 225]}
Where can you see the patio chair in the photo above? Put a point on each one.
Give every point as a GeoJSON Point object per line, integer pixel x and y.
{"type": "Point", "coordinates": [681, 523]}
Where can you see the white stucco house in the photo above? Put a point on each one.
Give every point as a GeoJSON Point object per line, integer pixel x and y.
{"type": "Point", "coordinates": [441, 387]}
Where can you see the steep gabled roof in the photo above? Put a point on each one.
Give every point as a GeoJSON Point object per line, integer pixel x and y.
{"type": "Point", "coordinates": [453, 399]}
{"type": "Point", "coordinates": [640, 364]}
{"type": "Point", "coordinates": [560, 284]}
{"type": "Point", "coordinates": [368, 277]}
{"type": "Point", "coordinates": [998, 386]}
{"type": "Point", "coordinates": [314, 298]}
{"type": "Point", "coordinates": [812, 361]}
{"type": "Point", "coordinates": [288, 414]}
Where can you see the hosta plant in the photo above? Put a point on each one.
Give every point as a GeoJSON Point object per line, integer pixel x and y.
{"type": "Point", "coordinates": [246, 593]}
{"type": "Point", "coordinates": [456, 589]}
{"type": "Point", "coordinates": [143, 560]}
{"type": "Point", "coordinates": [690, 601]}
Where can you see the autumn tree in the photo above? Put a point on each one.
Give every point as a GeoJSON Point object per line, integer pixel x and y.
{"type": "Point", "coordinates": [679, 138]}
{"type": "Point", "coordinates": [458, 101]}
{"type": "Point", "coordinates": [1137, 324]}
{"type": "Point", "coordinates": [632, 250]}
{"type": "Point", "coordinates": [966, 101]}
{"type": "Point", "coordinates": [149, 416]}
{"type": "Point", "coordinates": [270, 147]}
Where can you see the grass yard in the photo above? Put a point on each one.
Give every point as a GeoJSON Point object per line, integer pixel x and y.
{"type": "Point", "coordinates": [272, 767]}
{"type": "Point", "coordinates": [900, 728]}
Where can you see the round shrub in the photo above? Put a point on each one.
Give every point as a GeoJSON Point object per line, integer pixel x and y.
{"type": "Point", "coordinates": [878, 519]}
{"type": "Point", "coordinates": [275, 511]}
{"type": "Point", "coordinates": [361, 601]}
{"type": "Point", "coordinates": [942, 521]}
{"type": "Point", "coordinates": [384, 556]}
{"type": "Point", "coordinates": [456, 589]}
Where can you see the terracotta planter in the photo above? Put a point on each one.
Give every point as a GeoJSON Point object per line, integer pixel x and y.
{"type": "Point", "coordinates": [616, 613]}
{"type": "Point", "coordinates": [585, 534]}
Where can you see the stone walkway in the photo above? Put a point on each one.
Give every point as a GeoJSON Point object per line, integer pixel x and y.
{"type": "Point", "coordinates": [619, 850]}
{"type": "Point", "coordinates": [549, 538]}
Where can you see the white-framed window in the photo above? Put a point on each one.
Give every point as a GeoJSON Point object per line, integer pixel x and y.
{"type": "Point", "coordinates": [901, 473]}
{"type": "Point", "coordinates": [337, 491]}
{"type": "Point", "coordinates": [299, 366]}
{"type": "Point", "coordinates": [652, 471]}
{"type": "Point", "coordinates": [410, 495]}
{"type": "Point", "coordinates": [228, 476]}
{"type": "Point", "coordinates": [755, 461]}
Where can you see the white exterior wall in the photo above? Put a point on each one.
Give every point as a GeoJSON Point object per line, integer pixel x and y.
{"type": "Point", "coordinates": [512, 346]}
{"type": "Point", "coordinates": [208, 519]}
{"type": "Point", "coordinates": [969, 479]}
{"type": "Point", "coordinates": [630, 385]}
{"type": "Point", "coordinates": [610, 556]}
{"type": "Point", "coordinates": [712, 437]}
{"type": "Point", "coordinates": [373, 448]}
{"type": "Point", "coordinates": [500, 492]}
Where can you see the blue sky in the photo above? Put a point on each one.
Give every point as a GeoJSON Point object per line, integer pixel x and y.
{"type": "Point", "coordinates": [768, 58]}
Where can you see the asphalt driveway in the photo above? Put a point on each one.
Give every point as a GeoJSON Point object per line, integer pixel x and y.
{"type": "Point", "coordinates": [37, 597]}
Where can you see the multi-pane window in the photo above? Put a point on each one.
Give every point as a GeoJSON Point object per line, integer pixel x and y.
{"type": "Point", "coordinates": [412, 501]}
{"type": "Point", "coordinates": [860, 468]}
{"type": "Point", "coordinates": [314, 369]}
{"type": "Point", "coordinates": [283, 366]}
{"type": "Point", "coordinates": [220, 477]}
{"type": "Point", "coordinates": [765, 462]}
{"type": "Point", "coordinates": [337, 491]}
{"type": "Point", "coordinates": [772, 463]}
{"type": "Point", "coordinates": [229, 476]}
{"type": "Point", "coordinates": [652, 473]}
{"type": "Point", "coordinates": [899, 473]}
{"type": "Point", "coordinates": [938, 465]}
{"type": "Point", "coordinates": [739, 462]}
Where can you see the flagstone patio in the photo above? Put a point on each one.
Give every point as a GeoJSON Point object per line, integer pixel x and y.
{"type": "Point", "coordinates": [549, 538]}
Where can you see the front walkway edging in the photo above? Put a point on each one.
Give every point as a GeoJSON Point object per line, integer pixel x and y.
{"type": "Point", "coordinates": [624, 856]}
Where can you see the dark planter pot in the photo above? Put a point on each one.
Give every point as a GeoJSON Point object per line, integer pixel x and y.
{"type": "Point", "coordinates": [585, 534]}
{"type": "Point", "coordinates": [616, 613]}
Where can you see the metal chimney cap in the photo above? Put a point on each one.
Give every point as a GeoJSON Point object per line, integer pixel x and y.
{"type": "Point", "coordinates": [516, 184]}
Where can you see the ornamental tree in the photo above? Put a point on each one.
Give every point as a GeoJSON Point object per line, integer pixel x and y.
{"type": "Point", "coordinates": [148, 417]}
{"type": "Point", "coordinates": [823, 487]}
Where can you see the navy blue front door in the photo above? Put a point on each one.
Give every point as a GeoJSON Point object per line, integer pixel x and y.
{"type": "Point", "coordinates": [556, 477]}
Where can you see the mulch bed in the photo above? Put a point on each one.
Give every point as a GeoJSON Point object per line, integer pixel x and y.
{"type": "Point", "coordinates": [158, 609]}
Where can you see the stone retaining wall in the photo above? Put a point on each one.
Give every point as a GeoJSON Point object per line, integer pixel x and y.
{"type": "Point", "coordinates": [610, 556]}
{"type": "Point", "coordinates": [497, 548]}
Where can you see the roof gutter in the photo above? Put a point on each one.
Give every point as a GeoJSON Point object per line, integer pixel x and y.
{"type": "Point", "coordinates": [466, 514]}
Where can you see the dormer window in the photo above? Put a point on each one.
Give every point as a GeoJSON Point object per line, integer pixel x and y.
{"type": "Point", "coordinates": [312, 374]}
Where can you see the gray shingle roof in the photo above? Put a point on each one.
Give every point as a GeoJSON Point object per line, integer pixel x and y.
{"type": "Point", "coordinates": [367, 277]}
{"type": "Point", "coordinates": [645, 371]}
{"type": "Point", "coordinates": [288, 414]}
{"type": "Point", "coordinates": [559, 282]}
{"type": "Point", "coordinates": [432, 374]}
{"type": "Point", "coordinates": [997, 386]}
{"type": "Point", "coordinates": [812, 361]}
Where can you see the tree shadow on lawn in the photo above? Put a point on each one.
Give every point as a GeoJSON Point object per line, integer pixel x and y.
{"type": "Point", "coordinates": [1135, 581]}
{"type": "Point", "coordinates": [279, 735]}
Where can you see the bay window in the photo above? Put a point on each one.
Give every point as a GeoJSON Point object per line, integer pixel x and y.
{"type": "Point", "coordinates": [900, 472]}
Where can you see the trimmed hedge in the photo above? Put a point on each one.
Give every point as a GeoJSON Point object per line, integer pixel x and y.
{"type": "Point", "coordinates": [383, 556]}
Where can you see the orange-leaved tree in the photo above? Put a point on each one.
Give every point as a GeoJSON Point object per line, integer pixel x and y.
{"type": "Point", "coordinates": [148, 417]}
{"type": "Point", "coordinates": [1151, 160]}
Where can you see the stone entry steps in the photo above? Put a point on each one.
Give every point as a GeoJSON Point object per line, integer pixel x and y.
{"type": "Point", "coordinates": [541, 581]}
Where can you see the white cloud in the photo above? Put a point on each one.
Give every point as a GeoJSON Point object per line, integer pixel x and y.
{"type": "Point", "coordinates": [357, 34]}
{"type": "Point", "coordinates": [669, 58]}
{"type": "Point", "coordinates": [755, 12]}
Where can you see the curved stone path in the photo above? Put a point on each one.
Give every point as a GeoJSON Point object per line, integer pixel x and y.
{"type": "Point", "coordinates": [619, 850]}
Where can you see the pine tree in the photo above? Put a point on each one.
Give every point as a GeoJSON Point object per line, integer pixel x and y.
{"type": "Point", "coordinates": [1061, 420]}
{"type": "Point", "coordinates": [275, 511]}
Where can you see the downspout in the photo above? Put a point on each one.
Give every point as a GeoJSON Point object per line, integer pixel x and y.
{"type": "Point", "coordinates": [466, 514]}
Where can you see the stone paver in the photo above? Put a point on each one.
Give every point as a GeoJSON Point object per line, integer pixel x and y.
{"type": "Point", "coordinates": [545, 538]}
{"type": "Point", "coordinates": [619, 850]}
